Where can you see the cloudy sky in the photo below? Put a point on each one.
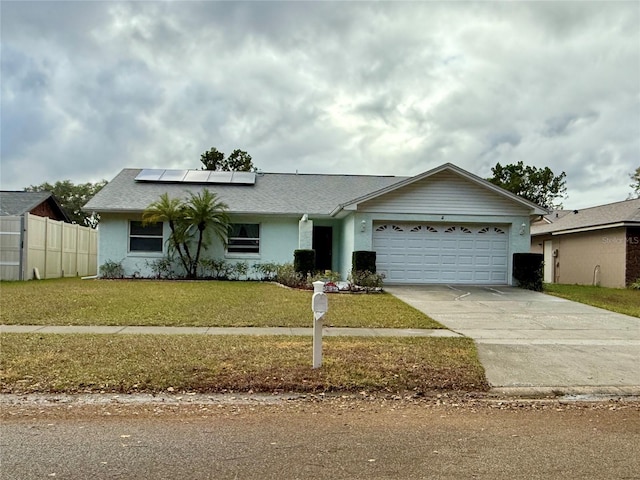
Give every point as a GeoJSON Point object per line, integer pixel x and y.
{"type": "Point", "coordinates": [89, 88]}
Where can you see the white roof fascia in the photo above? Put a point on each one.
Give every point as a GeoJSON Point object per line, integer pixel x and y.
{"type": "Point", "coordinates": [353, 204]}
{"type": "Point", "coordinates": [592, 228]}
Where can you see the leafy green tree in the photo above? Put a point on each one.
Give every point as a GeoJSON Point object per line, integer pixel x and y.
{"type": "Point", "coordinates": [238, 161]}
{"type": "Point", "coordinates": [212, 159]}
{"type": "Point", "coordinates": [72, 198]}
{"type": "Point", "coordinates": [191, 222]}
{"type": "Point", "coordinates": [538, 185]}
{"type": "Point", "coordinates": [635, 183]}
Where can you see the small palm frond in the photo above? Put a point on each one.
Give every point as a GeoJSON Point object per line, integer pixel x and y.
{"type": "Point", "coordinates": [163, 210]}
{"type": "Point", "coordinates": [204, 211]}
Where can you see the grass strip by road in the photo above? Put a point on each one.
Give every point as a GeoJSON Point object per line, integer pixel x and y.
{"type": "Point", "coordinates": [72, 301]}
{"type": "Point", "coordinates": [34, 363]}
{"type": "Point", "coordinates": [619, 300]}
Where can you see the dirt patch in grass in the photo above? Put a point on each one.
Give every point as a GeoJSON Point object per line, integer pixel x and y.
{"type": "Point", "coordinates": [198, 303]}
{"type": "Point", "coordinates": [619, 300]}
{"type": "Point", "coordinates": [33, 363]}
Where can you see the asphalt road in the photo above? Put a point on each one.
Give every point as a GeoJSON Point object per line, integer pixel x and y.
{"type": "Point", "coordinates": [342, 438]}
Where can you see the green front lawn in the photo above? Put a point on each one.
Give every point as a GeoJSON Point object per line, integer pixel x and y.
{"type": "Point", "coordinates": [619, 300]}
{"type": "Point", "coordinates": [73, 301]}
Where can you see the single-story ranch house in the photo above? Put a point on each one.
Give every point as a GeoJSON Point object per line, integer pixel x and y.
{"type": "Point", "coordinates": [593, 246]}
{"type": "Point", "coordinates": [445, 225]}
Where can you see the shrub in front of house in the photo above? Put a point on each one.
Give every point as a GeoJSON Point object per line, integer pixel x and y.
{"type": "Point", "coordinates": [287, 275]}
{"type": "Point", "coordinates": [222, 270]}
{"type": "Point", "coordinates": [304, 261]}
{"type": "Point", "coordinates": [366, 280]}
{"type": "Point", "coordinates": [364, 261]}
{"type": "Point", "coordinates": [266, 272]}
{"type": "Point", "coordinates": [163, 268]}
{"type": "Point", "coordinates": [327, 276]}
{"type": "Point", "coordinates": [111, 269]}
{"type": "Point", "coordinates": [528, 270]}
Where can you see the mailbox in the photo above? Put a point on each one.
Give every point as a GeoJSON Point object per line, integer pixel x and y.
{"type": "Point", "coordinates": [319, 303]}
{"type": "Point", "coordinates": [319, 306]}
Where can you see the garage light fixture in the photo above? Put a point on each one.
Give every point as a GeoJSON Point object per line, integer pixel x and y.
{"type": "Point", "coordinates": [523, 228]}
{"type": "Point", "coordinates": [363, 225]}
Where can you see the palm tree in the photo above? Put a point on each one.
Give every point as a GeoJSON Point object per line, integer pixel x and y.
{"type": "Point", "coordinates": [171, 210]}
{"type": "Point", "coordinates": [204, 212]}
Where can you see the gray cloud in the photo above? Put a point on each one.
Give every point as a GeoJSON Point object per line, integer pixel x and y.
{"type": "Point", "coordinates": [89, 88]}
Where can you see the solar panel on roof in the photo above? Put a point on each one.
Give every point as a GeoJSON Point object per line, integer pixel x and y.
{"type": "Point", "coordinates": [197, 176]}
{"type": "Point", "coordinates": [220, 177]}
{"type": "Point", "coordinates": [243, 178]}
{"type": "Point", "coordinates": [149, 175]}
{"type": "Point", "coordinates": [173, 176]}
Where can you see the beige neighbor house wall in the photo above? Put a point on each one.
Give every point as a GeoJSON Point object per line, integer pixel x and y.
{"type": "Point", "coordinates": [56, 249]}
{"type": "Point", "coordinates": [587, 258]}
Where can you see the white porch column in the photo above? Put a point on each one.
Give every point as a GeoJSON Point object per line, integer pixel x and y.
{"type": "Point", "coordinates": [305, 233]}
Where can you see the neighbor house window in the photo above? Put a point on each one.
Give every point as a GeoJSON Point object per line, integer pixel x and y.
{"type": "Point", "coordinates": [244, 238]}
{"type": "Point", "coordinates": [145, 238]}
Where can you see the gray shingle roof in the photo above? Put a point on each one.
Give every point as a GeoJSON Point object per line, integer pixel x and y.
{"type": "Point", "coordinates": [18, 203]}
{"type": "Point", "coordinates": [627, 212]}
{"type": "Point", "coordinates": [273, 193]}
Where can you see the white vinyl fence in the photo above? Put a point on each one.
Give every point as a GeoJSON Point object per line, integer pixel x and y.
{"type": "Point", "coordinates": [56, 249]}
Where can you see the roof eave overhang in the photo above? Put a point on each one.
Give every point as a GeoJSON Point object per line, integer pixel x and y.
{"type": "Point", "coordinates": [587, 229]}
{"type": "Point", "coordinates": [229, 212]}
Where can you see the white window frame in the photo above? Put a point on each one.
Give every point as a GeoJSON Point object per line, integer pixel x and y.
{"type": "Point", "coordinates": [238, 249]}
{"type": "Point", "coordinates": [138, 235]}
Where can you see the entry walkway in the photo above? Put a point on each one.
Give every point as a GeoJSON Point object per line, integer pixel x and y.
{"type": "Point", "coordinates": [153, 330]}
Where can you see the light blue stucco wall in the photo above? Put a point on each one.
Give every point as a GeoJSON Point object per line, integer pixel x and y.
{"type": "Point", "coordinates": [278, 240]}
{"type": "Point", "coordinates": [113, 245]}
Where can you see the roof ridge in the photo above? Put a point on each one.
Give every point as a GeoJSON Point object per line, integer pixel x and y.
{"type": "Point", "coordinates": [598, 206]}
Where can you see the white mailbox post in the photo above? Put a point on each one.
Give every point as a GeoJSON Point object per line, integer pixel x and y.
{"type": "Point", "coordinates": [320, 306]}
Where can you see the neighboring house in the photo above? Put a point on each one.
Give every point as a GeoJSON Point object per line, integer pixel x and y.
{"type": "Point", "coordinates": [593, 246]}
{"type": "Point", "coordinates": [42, 204]}
{"type": "Point", "coordinates": [38, 240]}
{"type": "Point", "coordinates": [445, 225]}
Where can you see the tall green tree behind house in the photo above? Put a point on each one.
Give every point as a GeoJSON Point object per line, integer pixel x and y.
{"type": "Point", "coordinates": [538, 185]}
{"type": "Point", "coordinates": [72, 198]}
{"type": "Point", "coordinates": [192, 222]}
{"type": "Point", "coordinates": [237, 161]}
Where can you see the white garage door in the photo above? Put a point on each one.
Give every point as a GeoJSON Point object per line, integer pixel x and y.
{"type": "Point", "coordinates": [436, 253]}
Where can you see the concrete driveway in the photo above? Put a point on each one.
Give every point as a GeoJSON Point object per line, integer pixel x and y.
{"type": "Point", "coordinates": [528, 340]}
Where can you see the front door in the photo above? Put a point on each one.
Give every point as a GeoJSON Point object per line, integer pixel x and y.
{"type": "Point", "coordinates": [323, 245]}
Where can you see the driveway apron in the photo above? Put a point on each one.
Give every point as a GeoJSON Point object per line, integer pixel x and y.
{"type": "Point", "coordinates": [529, 339]}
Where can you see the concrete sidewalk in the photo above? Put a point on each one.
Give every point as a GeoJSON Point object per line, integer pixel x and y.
{"type": "Point", "coordinates": [327, 331]}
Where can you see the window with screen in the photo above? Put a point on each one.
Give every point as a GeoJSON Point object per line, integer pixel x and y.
{"type": "Point", "coordinates": [145, 238]}
{"type": "Point", "coordinates": [244, 238]}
